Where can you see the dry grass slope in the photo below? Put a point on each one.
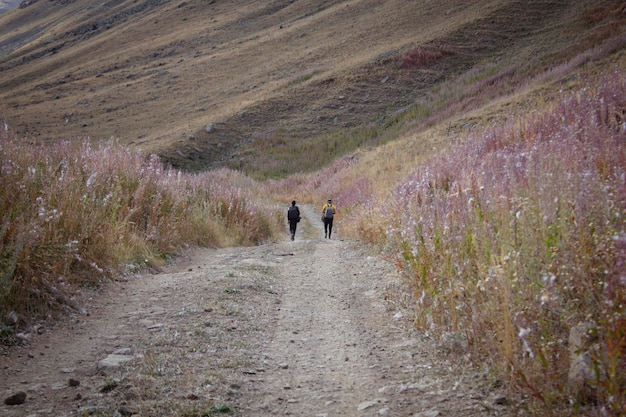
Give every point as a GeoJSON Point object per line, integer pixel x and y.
{"type": "Point", "coordinates": [154, 74]}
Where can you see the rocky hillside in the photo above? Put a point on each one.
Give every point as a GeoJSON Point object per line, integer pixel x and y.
{"type": "Point", "coordinates": [205, 83]}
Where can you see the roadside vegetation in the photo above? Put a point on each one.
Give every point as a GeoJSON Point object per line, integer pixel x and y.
{"type": "Point", "coordinates": [74, 214]}
{"type": "Point", "coordinates": [517, 236]}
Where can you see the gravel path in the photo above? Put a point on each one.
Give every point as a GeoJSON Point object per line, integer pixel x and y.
{"type": "Point", "coordinates": [303, 328]}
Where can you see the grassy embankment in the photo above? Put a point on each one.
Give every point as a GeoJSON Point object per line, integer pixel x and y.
{"type": "Point", "coordinates": [518, 235]}
{"type": "Point", "coordinates": [75, 214]}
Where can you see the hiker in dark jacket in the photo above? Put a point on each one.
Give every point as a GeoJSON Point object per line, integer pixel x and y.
{"type": "Point", "coordinates": [328, 213]}
{"type": "Point", "coordinates": [293, 217]}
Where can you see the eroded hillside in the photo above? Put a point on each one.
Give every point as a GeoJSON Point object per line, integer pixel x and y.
{"type": "Point", "coordinates": [206, 83]}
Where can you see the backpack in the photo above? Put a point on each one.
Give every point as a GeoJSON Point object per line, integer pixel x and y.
{"type": "Point", "coordinates": [293, 213]}
{"type": "Point", "coordinates": [329, 212]}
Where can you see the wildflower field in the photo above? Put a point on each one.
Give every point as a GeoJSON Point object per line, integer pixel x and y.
{"type": "Point", "coordinates": [516, 235]}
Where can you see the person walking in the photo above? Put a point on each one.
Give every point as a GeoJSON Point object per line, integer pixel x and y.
{"type": "Point", "coordinates": [328, 213]}
{"type": "Point", "coordinates": [293, 217]}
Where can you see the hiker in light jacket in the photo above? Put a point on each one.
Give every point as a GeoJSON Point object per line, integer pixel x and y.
{"type": "Point", "coordinates": [328, 213]}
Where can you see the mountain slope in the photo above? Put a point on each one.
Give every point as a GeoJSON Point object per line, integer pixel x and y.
{"type": "Point", "coordinates": [6, 5]}
{"type": "Point", "coordinates": [200, 82]}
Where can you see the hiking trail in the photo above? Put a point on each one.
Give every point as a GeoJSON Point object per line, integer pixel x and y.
{"type": "Point", "coordinates": [312, 327]}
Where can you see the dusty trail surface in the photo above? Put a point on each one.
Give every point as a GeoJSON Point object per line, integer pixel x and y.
{"type": "Point", "coordinates": [303, 328]}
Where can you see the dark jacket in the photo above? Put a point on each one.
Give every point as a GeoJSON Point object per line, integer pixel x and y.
{"type": "Point", "coordinates": [293, 214]}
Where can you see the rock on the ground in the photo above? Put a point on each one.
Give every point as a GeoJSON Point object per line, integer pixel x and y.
{"type": "Point", "coordinates": [16, 399]}
{"type": "Point", "coordinates": [115, 359]}
{"type": "Point", "coordinates": [428, 413]}
{"type": "Point", "coordinates": [580, 374]}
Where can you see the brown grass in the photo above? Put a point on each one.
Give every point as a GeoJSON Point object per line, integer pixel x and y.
{"type": "Point", "coordinates": [153, 75]}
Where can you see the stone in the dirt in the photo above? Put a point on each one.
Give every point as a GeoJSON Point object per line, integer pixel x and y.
{"type": "Point", "coordinates": [500, 399]}
{"type": "Point", "coordinates": [370, 404]}
{"type": "Point", "coordinates": [73, 382]}
{"type": "Point", "coordinates": [16, 399]}
{"type": "Point", "coordinates": [37, 387]}
{"type": "Point", "coordinates": [126, 410]}
{"type": "Point", "coordinates": [113, 361]}
{"type": "Point", "coordinates": [580, 377]}
{"type": "Point", "coordinates": [155, 327]}
{"type": "Point", "coordinates": [428, 413]}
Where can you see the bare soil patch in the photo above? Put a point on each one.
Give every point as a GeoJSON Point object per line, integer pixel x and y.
{"type": "Point", "coordinates": [291, 328]}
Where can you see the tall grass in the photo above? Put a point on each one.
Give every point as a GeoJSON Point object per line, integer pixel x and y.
{"type": "Point", "coordinates": [73, 214]}
{"type": "Point", "coordinates": [515, 236]}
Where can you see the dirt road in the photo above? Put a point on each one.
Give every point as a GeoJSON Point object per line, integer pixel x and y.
{"type": "Point", "coordinates": [303, 328]}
